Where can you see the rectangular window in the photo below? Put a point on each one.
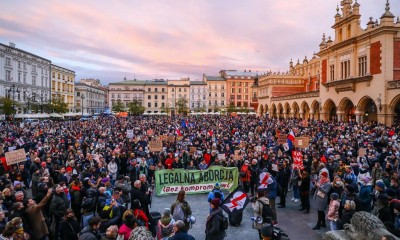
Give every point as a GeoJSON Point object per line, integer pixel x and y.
{"type": "Point", "coordinates": [215, 95]}
{"type": "Point", "coordinates": [222, 87]}
{"type": "Point", "coordinates": [246, 97]}
{"type": "Point", "coordinates": [155, 104]}
{"type": "Point", "coordinates": [112, 95]}
{"type": "Point", "coordinates": [155, 89]}
{"type": "Point", "coordinates": [8, 61]}
{"type": "Point", "coordinates": [232, 90]}
{"type": "Point", "coordinates": [209, 103]}
{"type": "Point", "coordinates": [239, 84]}
{"type": "Point", "coordinates": [362, 66]}
{"type": "Point", "coordinates": [149, 89]}
{"type": "Point", "coordinates": [332, 72]}
{"type": "Point", "coordinates": [33, 68]}
{"type": "Point", "coordinates": [345, 67]}
{"type": "Point", "coordinates": [19, 64]}
{"type": "Point", "coordinates": [155, 97]}
{"type": "Point", "coordinates": [180, 89]}
{"type": "Point", "coordinates": [162, 89]}
{"type": "Point", "coordinates": [222, 94]}
{"type": "Point", "coordinates": [54, 75]}
{"type": "Point", "coordinates": [162, 104]}
{"type": "Point", "coordinates": [184, 89]}
{"type": "Point", "coordinates": [58, 76]}
{"type": "Point", "coordinates": [215, 86]}
{"type": "Point", "coordinates": [245, 84]}
{"type": "Point", "coordinates": [34, 80]}
{"type": "Point", "coordinates": [233, 84]}
{"type": "Point", "coordinates": [19, 77]}
{"type": "Point", "coordinates": [239, 97]}
{"type": "Point", "coordinates": [162, 97]}
{"type": "Point", "coordinates": [209, 94]}
{"type": "Point", "coordinates": [148, 104]}
{"type": "Point", "coordinates": [222, 103]}
{"type": "Point", "coordinates": [24, 66]}
{"type": "Point", "coordinates": [24, 77]}
{"type": "Point", "coordinates": [239, 90]}
{"type": "Point", "coordinates": [215, 103]}
{"type": "Point", "coordinates": [8, 75]}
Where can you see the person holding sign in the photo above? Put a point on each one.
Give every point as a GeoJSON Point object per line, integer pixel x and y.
{"type": "Point", "coordinates": [323, 186]}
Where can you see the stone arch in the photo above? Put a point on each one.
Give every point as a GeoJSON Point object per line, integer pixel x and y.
{"type": "Point", "coordinates": [315, 109]}
{"type": "Point", "coordinates": [266, 109]}
{"type": "Point", "coordinates": [305, 109]}
{"type": "Point", "coordinates": [261, 110]}
{"type": "Point", "coordinates": [394, 108]}
{"type": "Point", "coordinates": [347, 110]}
{"type": "Point", "coordinates": [274, 111]}
{"type": "Point", "coordinates": [367, 109]}
{"type": "Point", "coordinates": [286, 109]}
{"type": "Point", "coordinates": [296, 110]}
{"type": "Point", "coordinates": [330, 110]}
{"type": "Point", "coordinates": [280, 110]}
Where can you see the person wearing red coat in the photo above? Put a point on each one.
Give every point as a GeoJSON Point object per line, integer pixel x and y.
{"type": "Point", "coordinates": [169, 161]}
{"type": "Point", "coordinates": [245, 175]}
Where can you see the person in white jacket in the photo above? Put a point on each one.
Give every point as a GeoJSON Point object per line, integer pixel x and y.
{"type": "Point", "coordinates": [112, 170]}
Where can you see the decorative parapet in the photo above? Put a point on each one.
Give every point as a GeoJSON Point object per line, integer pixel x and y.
{"type": "Point", "coordinates": [393, 85]}
{"type": "Point", "coordinates": [297, 96]}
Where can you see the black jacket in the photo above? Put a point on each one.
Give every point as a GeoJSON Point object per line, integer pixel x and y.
{"type": "Point", "coordinates": [87, 234]}
{"type": "Point", "coordinates": [213, 229]}
{"type": "Point", "coordinates": [137, 194]}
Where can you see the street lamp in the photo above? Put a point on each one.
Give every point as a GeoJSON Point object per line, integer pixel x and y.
{"type": "Point", "coordinates": [30, 97]}
{"type": "Point", "coordinates": [13, 90]}
{"type": "Point", "coordinates": [82, 97]}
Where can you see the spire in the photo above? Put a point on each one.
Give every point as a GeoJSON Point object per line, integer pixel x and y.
{"type": "Point", "coordinates": [291, 63]}
{"type": "Point", "coordinates": [356, 4]}
{"type": "Point", "coordinates": [329, 39]}
{"type": "Point", "coordinates": [398, 20]}
{"type": "Point", "coordinates": [337, 12]}
{"type": "Point", "coordinates": [387, 11]}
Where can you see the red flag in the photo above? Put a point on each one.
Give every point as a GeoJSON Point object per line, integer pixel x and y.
{"type": "Point", "coordinates": [211, 133]}
{"type": "Point", "coordinates": [323, 159]}
{"type": "Point", "coordinates": [178, 132]}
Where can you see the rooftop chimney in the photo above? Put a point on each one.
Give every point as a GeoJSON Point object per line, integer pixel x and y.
{"type": "Point", "coordinates": [11, 45]}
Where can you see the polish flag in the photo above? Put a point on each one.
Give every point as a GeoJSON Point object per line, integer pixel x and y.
{"type": "Point", "coordinates": [178, 132]}
{"type": "Point", "coordinates": [211, 133]}
{"type": "Point", "coordinates": [291, 136]}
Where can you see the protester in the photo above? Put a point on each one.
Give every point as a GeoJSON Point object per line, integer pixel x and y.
{"type": "Point", "coordinates": [180, 209]}
{"type": "Point", "coordinates": [91, 232]}
{"type": "Point", "coordinates": [323, 187]}
{"type": "Point", "coordinates": [262, 211]}
{"type": "Point", "coordinates": [214, 221]}
{"type": "Point", "coordinates": [165, 225]}
{"type": "Point", "coordinates": [35, 216]}
{"type": "Point", "coordinates": [179, 232]}
{"type": "Point", "coordinates": [70, 227]}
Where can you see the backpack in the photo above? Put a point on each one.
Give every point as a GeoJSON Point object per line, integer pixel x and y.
{"type": "Point", "coordinates": [167, 230]}
{"type": "Point", "coordinates": [266, 211]}
{"type": "Point", "coordinates": [217, 194]}
{"type": "Point", "coordinates": [224, 223]}
{"type": "Point", "coordinates": [178, 213]}
{"type": "Point", "coordinates": [88, 204]}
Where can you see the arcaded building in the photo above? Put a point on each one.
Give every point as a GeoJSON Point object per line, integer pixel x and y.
{"type": "Point", "coordinates": [355, 75]}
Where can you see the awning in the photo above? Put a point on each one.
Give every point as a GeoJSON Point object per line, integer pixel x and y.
{"type": "Point", "coordinates": [56, 115]}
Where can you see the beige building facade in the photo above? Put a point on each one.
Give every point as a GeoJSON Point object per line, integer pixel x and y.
{"type": "Point", "coordinates": [217, 92]}
{"type": "Point", "coordinates": [155, 95]}
{"type": "Point", "coordinates": [355, 75]}
{"type": "Point", "coordinates": [178, 89]}
{"type": "Point", "coordinates": [63, 85]}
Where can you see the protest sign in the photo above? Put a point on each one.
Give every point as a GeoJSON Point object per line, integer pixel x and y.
{"type": "Point", "coordinates": [16, 156]}
{"type": "Point", "coordinates": [304, 123]}
{"type": "Point", "coordinates": [302, 142]}
{"type": "Point", "coordinates": [195, 181]}
{"type": "Point", "coordinates": [164, 138]}
{"type": "Point", "coordinates": [156, 145]}
{"type": "Point", "coordinates": [129, 133]}
{"type": "Point", "coordinates": [171, 139]}
{"type": "Point", "coordinates": [362, 152]}
{"type": "Point", "coordinates": [221, 156]}
{"type": "Point", "coordinates": [282, 138]}
{"type": "Point", "coordinates": [297, 160]}
{"type": "Point", "coordinates": [150, 132]}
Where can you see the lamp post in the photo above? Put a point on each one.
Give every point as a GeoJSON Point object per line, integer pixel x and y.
{"type": "Point", "coordinates": [30, 97]}
{"type": "Point", "coordinates": [82, 97]}
{"type": "Point", "coordinates": [13, 90]}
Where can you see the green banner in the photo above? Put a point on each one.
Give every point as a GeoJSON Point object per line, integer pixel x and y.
{"type": "Point", "coordinates": [195, 181]}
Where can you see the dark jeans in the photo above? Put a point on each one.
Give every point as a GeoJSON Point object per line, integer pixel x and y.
{"type": "Point", "coordinates": [282, 196]}
{"type": "Point", "coordinates": [305, 201]}
{"type": "Point", "coordinates": [321, 219]}
{"type": "Point", "coordinates": [246, 186]}
{"type": "Point", "coordinates": [253, 188]}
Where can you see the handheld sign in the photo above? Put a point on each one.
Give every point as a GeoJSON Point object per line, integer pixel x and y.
{"type": "Point", "coordinates": [15, 157]}
{"type": "Point", "coordinates": [156, 145]}
{"type": "Point", "coordinates": [221, 156]}
{"type": "Point", "coordinates": [129, 133]}
{"type": "Point", "coordinates": [302, 142]}
{"type": "Point", "coordinates": [282, 138]}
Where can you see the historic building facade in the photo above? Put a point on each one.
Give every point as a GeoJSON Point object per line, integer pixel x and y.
{"type": "Point", "coordinates": [239, 84]}
{"type": "Point", "coordinates": [355, 76]}
{"type": "Point", "coordinates": [89, 97]}
{"type": "Point", "coordinates": [62, 85]}
{"type": "Point", "coordinates": [217, 92]}
{"type": "Point", "coordinates": [24, 77]}
{"type": "Point", "coordinates": [155, 95]}
{"type": "Point", "coordinates": [125, 92]}
{"type": "Point", "coordinates": [198, 96]}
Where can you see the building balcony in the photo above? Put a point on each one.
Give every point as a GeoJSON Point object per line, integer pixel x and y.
{"type": "Point", "coordinates": [297, 96]}
{"type": "Point", "coordinates": [348, 84]}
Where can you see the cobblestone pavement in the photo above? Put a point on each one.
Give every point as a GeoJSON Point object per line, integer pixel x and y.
{"type": "Point", "coordinates": [295, 223]}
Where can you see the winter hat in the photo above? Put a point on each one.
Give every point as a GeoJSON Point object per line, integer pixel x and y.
{"type": "Point", "coordinates": [380, 184]}
{"type": "Point", "coordinates": [217, 185]}
{"type": "Point", "coordinates": [104, 180]}
{"type": "Point", "coordinates": [43, 164]}
{"type": "Point", "coordinates": [166, 217]}
{"type": "Point", "coordinates": [16, 183]}
{"type": "Point", "coordinates": [334, 196]}
{"type": "Point", "coordinates": [216, 202]}
{"type": "Point", "coordinates": [324, 174]}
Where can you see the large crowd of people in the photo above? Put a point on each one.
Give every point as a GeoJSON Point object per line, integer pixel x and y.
{"type": "Point", "coordinates": [90, 180]}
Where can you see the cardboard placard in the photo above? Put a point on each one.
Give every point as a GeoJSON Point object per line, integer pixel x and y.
{"type": "Point", "coordinates": [137, 140]}
{"type": "Point", "coordinates": [221, 156]}
{"type": "Point", "coordinates": [242, 144]}
{"type": "Point", "coordinates": [156, 145]}
{"type": "Point", "coordinates": [164, 138]}
{"type": "Point", "coordinates": [15, 157]}
{"type": "Point", "coordinates": [171, 138]}
{"type": "Point", "coordinates": [282, 138]}
{"type": "Point", "coordinates": [362, 152]}
{"type": "Point", "coordinates": [258, 148]}
{"type": "Point", "coordinates": [302, 142]}
{"type": "Point", "coordinates": [192, 149]}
